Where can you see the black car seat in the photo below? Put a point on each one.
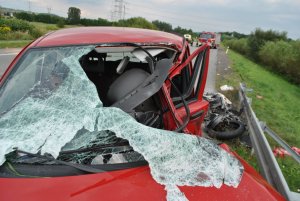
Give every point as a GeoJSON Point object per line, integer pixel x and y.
{"type": "Point", "coordinates": [125, 84]}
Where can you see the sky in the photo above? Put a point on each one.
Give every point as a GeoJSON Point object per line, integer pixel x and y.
{"type": "Point", "coordinates": [242, 16]}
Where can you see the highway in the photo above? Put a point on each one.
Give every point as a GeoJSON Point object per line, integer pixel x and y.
{"type": "Point", "coordinates": [6, 57]}
{"type": "Point", "coordinates": [211, 75]}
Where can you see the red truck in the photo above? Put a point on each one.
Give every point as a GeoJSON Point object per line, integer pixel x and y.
{"type": "Point", "coordinates": [208, 37]}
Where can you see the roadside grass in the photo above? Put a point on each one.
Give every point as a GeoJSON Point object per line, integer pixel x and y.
{"type": "Point", "coordinates": [13, 43]}
{"type": "Point", "coordinates": [45, 28]}
{"type": "Point", "coordinates": [276, 102]}
{"type": "Point", "coordinates": [21, 39]}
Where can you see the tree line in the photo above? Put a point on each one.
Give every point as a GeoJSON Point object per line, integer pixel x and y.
{"type": "Point", "coordinates": [74, 18]}
{"type": "Point", "coordinates": [274, 49]}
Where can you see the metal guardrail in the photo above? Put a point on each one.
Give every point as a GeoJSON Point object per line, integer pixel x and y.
{"type": "Point", "coordinates": [280, 141]}
{"type": "Point", "coordinates": [268, 165]}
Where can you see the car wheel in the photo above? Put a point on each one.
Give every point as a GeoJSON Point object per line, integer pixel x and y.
{"type": "Point", "coordinates": [226, 131]}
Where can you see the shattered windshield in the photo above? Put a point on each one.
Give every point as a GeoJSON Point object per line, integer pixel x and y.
{"type": "Point", "coordinates": [50, 105]}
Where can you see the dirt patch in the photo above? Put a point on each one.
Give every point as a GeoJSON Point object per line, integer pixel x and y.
{"type": "Point", "coordinates": [224, 76]}
{"type": "Point", "coordinates": [223, 66]}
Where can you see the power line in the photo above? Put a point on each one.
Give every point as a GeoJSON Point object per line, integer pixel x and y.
{"type": "Point", "coordinates": [49, 10]}
{"type": "Point", "coordinates": [29, 6]}
{"type": "Point", "coordinates": [118, 10]}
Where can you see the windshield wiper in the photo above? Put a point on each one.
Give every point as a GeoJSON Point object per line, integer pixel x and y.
{"type": "Point", "coordinates": [81, 167]}
{"type": "Point", "coordinates": [117, 146]}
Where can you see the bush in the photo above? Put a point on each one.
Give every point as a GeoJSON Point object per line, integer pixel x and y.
{"type": "Point", "coordinates": [137, 22]}
{"type": "Point", "coordinates": [39, 17]}
{"type": "Point", "coordinates": [95, 22]}
{"type": "Point", "coordinates": [15, 24]}
{"type": "Point", "coordinates": [5, 30]}
{"type": "Point", "coordinates": [60, 24]}
{"type": "Point", "coordinates": [282, 57]}
{"type": "Point", "coordinates": [239, 45]}
{"type": "Point", "coordinates": [258, 38]}
{"type": "Point", "coordinates": [35, 33]}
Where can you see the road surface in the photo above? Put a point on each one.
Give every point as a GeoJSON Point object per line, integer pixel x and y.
{"type": "Point", "coordinates": [211, 75]}
{"type": "Point", "coordinates": [6, 56]}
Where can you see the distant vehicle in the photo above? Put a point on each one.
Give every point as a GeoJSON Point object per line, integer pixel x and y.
{"type": "Point", "coordinates": [188, 37]}
{"type": "Point", "coordinates": [207, 37]}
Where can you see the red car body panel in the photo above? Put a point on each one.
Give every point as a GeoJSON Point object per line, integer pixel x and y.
{"type": "Point", "coordinates": [135, 183]}
{"type": "Point", "coordinates": [130, 184]}
{"type": "Point", "coordinates": [94, 35]}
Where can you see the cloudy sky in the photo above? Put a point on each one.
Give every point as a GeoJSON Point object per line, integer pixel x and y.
{"type": "Point", "coordinates": [210, 15]}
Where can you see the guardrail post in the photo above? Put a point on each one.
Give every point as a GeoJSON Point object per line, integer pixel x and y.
{"type": "Point", "coordinates": [268, 165]}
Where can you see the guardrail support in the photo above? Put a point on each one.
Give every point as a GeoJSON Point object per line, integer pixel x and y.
{"type": "Point", "coordinates": [268, 165]}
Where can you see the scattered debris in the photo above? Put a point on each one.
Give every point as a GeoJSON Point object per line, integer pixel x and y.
{"type": "Point", "coordinates": [281, 152]}
{"type": "Point", "coordinates": [222, 122]}
{"type": "Point", "coordinates": [259, 97]}
{"type": "Point", "coordinates": [226, 88]}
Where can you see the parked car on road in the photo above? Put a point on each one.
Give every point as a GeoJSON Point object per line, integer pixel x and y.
{"type": "Point", "coordinates": [94, 113]}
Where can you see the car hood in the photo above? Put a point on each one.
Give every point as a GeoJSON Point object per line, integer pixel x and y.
{"type": "Point", "coordinates": [132, 184]}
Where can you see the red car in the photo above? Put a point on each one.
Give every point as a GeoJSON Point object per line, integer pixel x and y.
{"type": "Point", "coordinates": [100, 113]}
{"type": "Point", "coordinates": [209, 38]}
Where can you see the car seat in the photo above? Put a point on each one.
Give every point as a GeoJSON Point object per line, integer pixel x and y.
{"type": "Point", "coordinates": [125, 84]}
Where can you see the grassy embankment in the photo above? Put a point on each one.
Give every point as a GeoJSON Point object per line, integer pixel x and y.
{"type": "Point", "coordinates": [18, 39]}
{"type": "Point", "coordinates": [276, 102]}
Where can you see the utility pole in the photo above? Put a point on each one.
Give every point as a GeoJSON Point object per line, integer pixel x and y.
{"type": "Point", "coordinates": [29, 6]}
{"type": "Point", "coordinates": [49, 10]}
{"type": "Point", "coordinates": [118, 10]}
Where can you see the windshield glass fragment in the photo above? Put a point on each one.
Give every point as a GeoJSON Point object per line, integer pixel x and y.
{"type": "Point", "coordinates": [50, 106]}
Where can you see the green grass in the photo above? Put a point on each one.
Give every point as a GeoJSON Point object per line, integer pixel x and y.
{"type": "Point", "coordinates": [45, 28]}
{"type": "Point", "coordinates": [13, 43]}
{"type": "Point", "coordinates": [279, 108]}
{"type": "Point", "coordinates": [20, 39]}
{"type": "Point", "coordinates": [280, 103]}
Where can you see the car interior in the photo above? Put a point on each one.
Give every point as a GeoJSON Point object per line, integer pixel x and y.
{"type": "Point", "coordinates": [118, 71]}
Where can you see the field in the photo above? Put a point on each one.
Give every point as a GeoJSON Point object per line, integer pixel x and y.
{"type": "Point", "coordinates": [276, 102]}
{"type": "Point", "coordinates": [17, 39]}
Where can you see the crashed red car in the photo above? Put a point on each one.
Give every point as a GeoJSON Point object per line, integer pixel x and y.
{"type": "Point", "coordinates": [100, 113]}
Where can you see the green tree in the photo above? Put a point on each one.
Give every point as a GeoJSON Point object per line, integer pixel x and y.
{"type": "Point", "coordinates": [25, 16]}
{"type": "Point", "coordinates": [95, 22]}
{"type": "Point", "coordinates": [74, 15]}
{"type": "Point", "coordinates": [137, 22]}
{"type": "Point", "coordinates": [181, 31]}
{"type": "Point", "coordinates": [163, 26]}
{"type": "Point", "coordinates": [259, 37]}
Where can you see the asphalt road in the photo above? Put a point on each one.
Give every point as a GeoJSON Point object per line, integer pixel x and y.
{"type": "Point", "coordinates": [211, 75]}
{"type": "Point", "coordinates": [7, 55]}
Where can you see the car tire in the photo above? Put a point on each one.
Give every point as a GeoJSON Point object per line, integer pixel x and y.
{"type": "Point", "coordinates": [235, 129]}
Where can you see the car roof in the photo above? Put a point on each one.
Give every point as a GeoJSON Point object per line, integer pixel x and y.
{"type": "Point", "coordinates": [98, 35]}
